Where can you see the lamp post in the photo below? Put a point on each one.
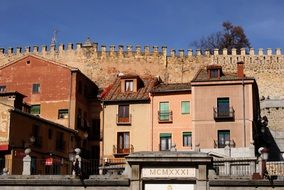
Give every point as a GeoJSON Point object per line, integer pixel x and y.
{"type": "Point", "coordinates": [76, 160]}
{"type": "Point", "coordinates": [262, 160]}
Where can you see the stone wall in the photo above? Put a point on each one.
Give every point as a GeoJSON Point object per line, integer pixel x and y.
{"type": "Point", "coordinates": [102, 64]}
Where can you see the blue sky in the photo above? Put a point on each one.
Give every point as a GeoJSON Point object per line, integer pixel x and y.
{"type": "Point", "coordinates": [173, 23]}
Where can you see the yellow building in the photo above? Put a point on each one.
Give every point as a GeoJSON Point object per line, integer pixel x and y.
{"type": "Point", "coordinates": [126, 116]}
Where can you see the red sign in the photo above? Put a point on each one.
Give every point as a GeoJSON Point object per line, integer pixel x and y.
{"type": "Point", "coordinates": [48, 161]}
{"type": "Point", "coordinates": [4, 147]}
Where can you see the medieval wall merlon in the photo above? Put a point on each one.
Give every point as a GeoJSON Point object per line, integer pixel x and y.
{"type": "Point", "coordinates": [147, 50]}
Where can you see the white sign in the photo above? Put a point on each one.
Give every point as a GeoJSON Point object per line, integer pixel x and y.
{"type": "Point", "coordinates": [169, 186]}
{"type": "Point", "coordinates": [169, 172]}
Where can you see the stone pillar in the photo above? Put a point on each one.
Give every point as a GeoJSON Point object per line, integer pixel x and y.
{"type": "Point", "coordinates": [135, 178]}
{"type": "Point", "coordinates": [201, 181]}
{"type": "Point", "coordinates": [27, 162]}
{"type": "Point", "coordinates": [227, 168]}
{"type": "Point", "coordinates": [77, 162]}
{"type": "Point", "coordinates": [252, 167]}
{"type": "Point", "coordinates": [227, 149]}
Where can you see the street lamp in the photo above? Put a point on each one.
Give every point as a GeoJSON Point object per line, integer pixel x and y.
{"type": "Point", "coordinates": [263, 158]}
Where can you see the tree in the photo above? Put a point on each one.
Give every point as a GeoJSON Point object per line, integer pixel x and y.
{"type": "Point", "coordinates": [231, 37]}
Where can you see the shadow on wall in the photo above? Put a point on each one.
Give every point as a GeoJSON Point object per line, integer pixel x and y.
{"type": "Point", "coordinates": [267, 140]}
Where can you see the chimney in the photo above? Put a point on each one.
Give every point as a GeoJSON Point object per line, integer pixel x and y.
{"type": "Point", "coordinates": [240, 69]}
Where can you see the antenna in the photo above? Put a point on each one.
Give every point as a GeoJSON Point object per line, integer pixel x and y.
{"type": "Point", "coordinates": [53, 39]}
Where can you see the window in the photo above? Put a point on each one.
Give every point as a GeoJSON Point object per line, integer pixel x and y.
{"type": "Point", "coordinates": [187, 138]}
{"type": "Point", "coordinates": [63, 114]}
{"type": "Point", "coordinates": [36, 88]}
{"type": "Point", "coordinates": [165, 141]}
{"type": "Point", "coordinates": [214, 73]}
{"type": "Point", "coordinates": [2, 88]}
{"type": "Point", "coordinates": [185, 107]}
{"type": "Point", "coordinates": [123, 145]}
{"type": "Point", "coordinates": [223, 107]}
{"type": "Point", "coordinates": [129, 86]}
{"type": "Point", "coordinates": [35, 109]}
{"type": "Point", "coordinates": [164, 113]}
{"type": "Point", "coordinates": [223, 137]}
{"type": "Point", "coordinates": [123, 114]}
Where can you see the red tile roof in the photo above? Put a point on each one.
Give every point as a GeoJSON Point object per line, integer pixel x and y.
{"type": "Point", "coordinates": [202, 75]}
{"type": "Point", "coordinates": [173, 87]}
{"type": "Point", "coordinates": [114, 93]}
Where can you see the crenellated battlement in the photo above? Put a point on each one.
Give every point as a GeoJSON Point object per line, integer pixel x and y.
{"type": "Point", "coordinates": [101, 63]}
{"type": "Point", "coordinates": [135, 50]}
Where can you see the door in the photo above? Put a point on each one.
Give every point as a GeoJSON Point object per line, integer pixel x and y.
{"type": "Point", "coordinates": [223, 137]}
{"type": "Point", "coordinates": [169, 187]}
{"type": "Point", "coordinates": [123, 142]}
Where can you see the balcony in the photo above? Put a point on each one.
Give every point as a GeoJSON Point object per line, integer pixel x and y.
{"type": "Point", "coordinates": [230, 143]}
{"type": "Point", "coordinates": [224, 115]}
{"type": "Point", "coordinates": [120, 120]}
{"type": "Point", "coordinates": [165, 117]}
{"type": "Point", "coordinates": [122, 151]}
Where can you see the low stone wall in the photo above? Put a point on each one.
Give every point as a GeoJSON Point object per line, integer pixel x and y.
{"type": "Point", "coordinates": [241, 184]}
{"type": "Point", "coordinates": [16, 182]}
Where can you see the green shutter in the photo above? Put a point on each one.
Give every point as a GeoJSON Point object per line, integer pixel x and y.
{"type": "Point", "coordinates": [185, 107]}
{"type": "Point", "coordinates": [186, 133]}
{"type": "Point", "coordinates": [164, 135]}
{"type": "Point", "coordinates": [164, 106]}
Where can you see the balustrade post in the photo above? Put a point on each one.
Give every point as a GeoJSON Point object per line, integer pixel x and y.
{"type": "Point", "coordinates": [27, 163]}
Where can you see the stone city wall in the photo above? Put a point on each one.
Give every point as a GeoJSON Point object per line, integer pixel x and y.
{"type": "Point", "coordinates": [103, 63]}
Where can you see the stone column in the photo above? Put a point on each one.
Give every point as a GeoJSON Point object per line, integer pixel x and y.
{"type": "Point", "coordinates": [201, 181]}
{"type": "Point", "coordinates": [27, 162]}
{"type": "Point", "coordinates": [135, 178]}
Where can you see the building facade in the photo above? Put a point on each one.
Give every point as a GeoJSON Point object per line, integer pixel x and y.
{"type": "Point", "coordinates": [127, 116]}
{"type": "Point", "coordinates": [171, 116]}
{"type": "Point", "coordinates": [225, 108]}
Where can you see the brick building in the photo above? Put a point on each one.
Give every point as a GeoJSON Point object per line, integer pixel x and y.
{"type": "Point", "coordinates": [59, 93]}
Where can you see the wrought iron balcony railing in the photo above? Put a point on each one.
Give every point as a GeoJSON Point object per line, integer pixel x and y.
{"type": "Point", "coordinates": [224, 114]}
{"type": "Point", "coordinates": [165, 116]}
{"type": "Point", "coordinates": [219, 144]}
{"type": "Point", "coordinates": [124, 150]}
{"type": "Point", "coordinates": [122, 120]}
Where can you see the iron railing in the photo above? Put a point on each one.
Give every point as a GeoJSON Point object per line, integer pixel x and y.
{"type": "Point", "coordinates": [220, 114]}
{"type": "Point", "coordinates": [165, 116]}
{"type": "Point", "coordinates": [124, 150]}
{"type": "Point", "coordinates": [122, 120]}
{"type": "Point", "coordinates": [217, 144]}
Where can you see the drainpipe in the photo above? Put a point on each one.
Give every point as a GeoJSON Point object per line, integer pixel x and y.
{"type": "Point", "coordinates": [152, 122]}
{"type": "Point", "coordinates": [103, 123]}
{"type": "Point", "coordinates": [244, 112]}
